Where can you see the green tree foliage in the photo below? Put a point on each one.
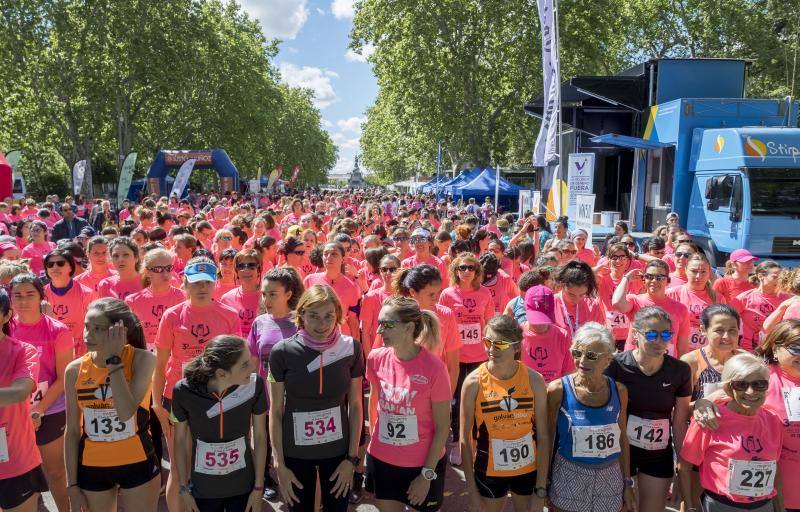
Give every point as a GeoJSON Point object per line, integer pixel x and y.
{"type": "Point", "coordinates": [93, 79]}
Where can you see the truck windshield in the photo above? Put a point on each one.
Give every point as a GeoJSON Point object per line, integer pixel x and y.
{"type": "Point", "coordinates": [775, 191]}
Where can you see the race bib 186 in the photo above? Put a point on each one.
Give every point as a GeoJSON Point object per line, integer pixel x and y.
{"type": "Point", "coordinates": [752, 478]}
{"type": "Point", "coordinates": [648, 434]}
{"type": "Point", "coordinates": [513, 454]}
{"type": "Point", "coordinates": [317, 427]}
{"type": "Point", "coordinates": [595, 440]}
{"type": "Point", "coordinates": [398, 429]}
{"type": "Point", "coordinates": [103, 425]}
{"type": "Point", "coordinates": [220, 458]}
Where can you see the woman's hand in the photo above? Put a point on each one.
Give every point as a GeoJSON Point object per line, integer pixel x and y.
{"type": "Point", "coordinates": [77, 500]}
{"type": "Point", "coordinates": [629, 500]}
{"type": "Point", "coordinates": [418, 490]}
{"type": "Point", "coordinates": [706, 414]}
{"type": "Point", "coordinates": [163, 418]}
{"type": "Point", "coordinates": [188, 502]}
{"type": "Point", "coordinates": [634, 275]}
{"type": "Point", "coordinates": [342, 478]}
{"type": "Point", "coordinates": [286, 480]}
{"type": "Point", "coordinates": [115, 339]}
{"type": "Point", "coordinates": [254, 501]}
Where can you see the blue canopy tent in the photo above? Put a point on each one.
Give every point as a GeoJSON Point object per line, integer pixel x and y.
{"type": "Point", "coordinates": [484, 185]}
{"type": "Point", "coordinates": [450, 187]}
{"type": "Point", "coordinates": [431, 185]}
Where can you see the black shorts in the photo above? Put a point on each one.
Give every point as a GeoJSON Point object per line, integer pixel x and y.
{"type": "Point", "coordinates": [389, 482]}
{"type": "Point", "coordinates": [17, 490]}
{"type": "Point", "coordinates": [52, 428]}
{"type": "Point", "coordinates": [655, 463]}
{"type": "Point", "coordinates": [129, 476]}
{"type": "Point", "coordinates": [231, 504]}
{"type": "Point", "coordinates": [494, 487]}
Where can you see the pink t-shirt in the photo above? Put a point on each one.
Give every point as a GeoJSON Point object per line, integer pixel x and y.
{"type": "Point", "coordinates": [370, 307]}
{"type": "Point", "coordinates": [70, 309]}
{"type": "Point", "coordinates": [792, 312]}
{"type": "Point", "coordinates": [675, 280]}
{"type": "Point", "coordinates": [246, 304]}
{"type": "Point", "coordinates": [547, 353]}
{"type": "Point", "coordinates": [695, 302]}
{"type": "Point", "coordinates": [221, 288]}
{"type": "Point", "coordinates": [754, 307]}
{"type": "Point", "coordinates": [149, 308]}
{"type": "Point", "coordinates": [406, 393]}
{"type": "Point", "coordinates": [185, 329]}
{"type": "Point", "coordinates": [781, 384]}
{"type": "Point", "coordinates": [730, 287]}
{"type": "Point", "coordinates": [36, 251]}
{"type": "Point", "coordinates": [502, 288]}
{"type": "Point", "coordinates": [19, 362]}
{"type": "Point", "coordinates": [738, 440]}
{"type": "Point", "coordinates": [347, 291]}
{"type": "Point", "coordinates": [91, 280]}
{"type": "Point", "coordinates": [614, 320]}
{"type": "Point", "coordinates": [676, 311]}
{"type": "Point", "coordinates": [115, 287]}
{"type": "Point", "coordinates": [473, 309]}
{"type": "Point", "coordinates": [413, 261]}
{"type": "Point", "coordinates": [570, 318]}
{"type": "Point", "coordinates": [587, 256]}
{"type": "Point", "coordinates": [49, 337]}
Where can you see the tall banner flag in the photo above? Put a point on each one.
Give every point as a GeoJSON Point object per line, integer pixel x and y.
{"type": "Point", "coordinates": [182, 179]}
{"type": "Point", "coordinates": [545, 150]}
{"type": "Point", "coordinates": [273, 177]}
{"type": "Point", "coordinates": [580, 179]}
{"type": "Point", "coordinates": [295, 174]}
{"type": "Point", "coordinates": [13, 158]}
{"type": "Point", "coordinates": [125, 178]}
{"type": "Point", "coordinates": [584, 212]}
{"type": "Point", "coordinates": [78, 173]}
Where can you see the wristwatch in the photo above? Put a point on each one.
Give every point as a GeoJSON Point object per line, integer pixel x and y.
{"type": "Point", "coordinates": [628, 482]}
{"type": "Point", "coordinates": [354, 460]}
{"type": "Point", "coordinates": [185, 489]}
{"type": "Point", "coordinates": [428, 474]}
{"type": "Point", "coordinates": [113, 361]}
{"type": "Point", "coordinates": [540, 492]}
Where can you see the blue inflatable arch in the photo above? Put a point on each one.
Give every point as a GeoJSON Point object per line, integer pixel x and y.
{"type": "Point", "coordinates": [216, 159]}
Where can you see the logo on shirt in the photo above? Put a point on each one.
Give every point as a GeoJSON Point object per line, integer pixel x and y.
{"type": "Point", "coordinates": [103, 391]}
{"type": "Point", "coordinates": [246, 314]}
{"type": "Point", "coordinates": [539, 354]}
{"type": "Point", "coordinates": [157, 310]}
{"type": "Point", "coordinates": [61, 310]}
{"type": "Point", "coordinates": [419, 379]}
{"type": "Point", "coordinates": [766, 309]}
{"type": "Point", "coordinates": [200, 331]}
{"type": "Point", "coordinates": [752, 444]}
{"type": "Point", "coordinates": [469, 303]}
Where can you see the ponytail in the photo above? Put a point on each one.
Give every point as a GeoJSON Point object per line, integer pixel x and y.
{"type": "Point", "coordinates": [221, 353]}
{"type": "Point", "coordinates": [729, 269]}
{"type": "Point", "coordinates": [429, 337]}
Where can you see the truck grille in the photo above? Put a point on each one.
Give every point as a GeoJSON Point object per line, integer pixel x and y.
{"type": "Point", "coordinates": [786, 245]}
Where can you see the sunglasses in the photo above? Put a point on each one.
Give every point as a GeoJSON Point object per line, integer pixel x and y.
{"type": "Point", "coordinates": [160, 269]}
{"type": "Point", "coordinates": [654, 277]}
{"type": "Point", "coordinates": [247, 266]}
{"type": "Point", "coordinates": [618, 257]}
{"type": "Point", "coordinates": [300, 253]}
{"type": "Point", "coordinates": [388, 324]}
{"type": "Point", "coordinates": [792, 348]}
{"type": "Point", "coordinates": [499, 344]}
{"type": "Point", "coordinates": [591, 356]}
{"type": "Point", "coordinates": [653, 335]}
{"type": "Point", "coordinates": [400, 238]}
{"type": "Point", "coordinates": [57, 263]}
{"type": "Point", "coordinates": [744, 385]}
{"type": "Point", "coordinates": [388, 270]}
{"type": "Point", "coordinates": [683, 254]}
{"type": "Point", "coordinates": [466, 268]}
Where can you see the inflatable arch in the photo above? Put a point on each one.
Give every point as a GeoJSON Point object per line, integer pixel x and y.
{"type": "Point", "coordinates": [216, 159]}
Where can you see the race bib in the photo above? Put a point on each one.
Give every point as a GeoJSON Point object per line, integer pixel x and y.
{"type": "Point", "coordinates": [648, 434]}
{"type": "Point", "coordinates": [595, 440]}
{"type": "Point", "coordinates": [103, 425]}
{"type": "Point", "coordinates": [791, 400]}
{"type": "Point", "coordinates": [39, 392]}
{"type": "Point", "coordinates": [617, 320]}
{"type": "Point", "coordinates": [470, 334]}
{"type": "Point", "coordinates": [512, 454]}
{"type": "Point", "coordinates": [752, 478]}
{"type": "Point", "coordinates": [317, 427]}
{"type": "Point", "coordinates": [220, 458]}
{"type": "Point", "coordinates": [3, 445]}
{"type": "Point", "coordinates": [696, 338]}
{"type": "Point", "coordinates": [397, 429]}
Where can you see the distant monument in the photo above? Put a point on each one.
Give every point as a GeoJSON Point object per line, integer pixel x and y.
{"type": "Point", "coordinates": [356, 180]}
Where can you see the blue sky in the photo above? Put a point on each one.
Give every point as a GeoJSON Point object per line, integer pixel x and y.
{"type": "Point", "coordinates": [314, 54]}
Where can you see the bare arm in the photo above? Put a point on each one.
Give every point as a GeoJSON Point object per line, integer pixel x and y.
{"type": "Point", "coordinates": [544, 443]}
{"type": "Point", "coordinates": [160, 376]}
{"type": "Point", "coordinates": [355, 415]}
{"type": "Point", "coordinates": [441, 421]}
{"type": "Point", "coordinates": [277, 394]}
{"type": "Point", "coordinates": [469, 391]}
{"type": "Point", "coordinates": [619, 300]}
{"type": "Point", "coordinates": [555, 392]}
{"type": "Point", "coordinates": [452, 366]}
{"type": "Point", "coordinates": [680, 420]}
{"type": "Point", "coordinates": [183, 442]}
{"type": "Point", "coordinates": [259, 422]}
{"type": "Point", "coordinates": [18, 391]}
{"type": "Point", "coordinates": [72, 432]}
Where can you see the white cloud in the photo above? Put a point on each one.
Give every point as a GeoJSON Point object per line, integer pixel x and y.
{"type": "Point", "coordinates": [342, 9]}
{"type": "Point", "coordinates": [366, 51]}
{"type": "Point", "coordinates": [327, 124]}
{"type": "Point", "coordinates": [352, 124]}
{"type": "Point", "coordinates": [279, 18]}
{"type": "Point", "coordinates": [321, 12]}
{"type": "Point", "coordinates": [307, 77]}
{"type": "Point", "coordinates": [344, 141]}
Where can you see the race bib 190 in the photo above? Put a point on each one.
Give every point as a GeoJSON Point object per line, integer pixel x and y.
{"type": "Point", "coordinates": [397, 429]}
{"type": "Point", "coordinates": [317, 427]}
{"type": "Point", "coordinates": [595, 440]}
{"type": "Point", "coordinates": [752, 478]}
{"type": "Point", "coordinates": [104, 425]}
{"type": "Point", "coordinates": [220, 458]}
{"type": "Point", "coordinates": [648, 434]}
{"type": "Point", "coordinates": [513, 454]}
{"type": "Point", "coordinates": [470, 334]}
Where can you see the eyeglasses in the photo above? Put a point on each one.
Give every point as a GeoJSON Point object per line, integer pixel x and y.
{"type": "Point", "coordinates": [617, 257]}
{"type": "Point", "coordinates": [655, 277]}
{"type": "Point", "coordinates": [247, 266]}
{"type": "Point", "coordinates": [466, 268]}
{"type": "Point", "coordinates": [744, 385]}
{"type": "Point", "coordinates": [388, 324]}
{"type": "Point", "coordinates": [388, 270]}
{"type": "Point", "coordinates": [591, 356]}
{"type": "Point", "coordinates": [499, 344]}
{"type": "Point", "coordinates": [56, 263]}
{"type": "Point", "coordinates": [160, 269]}
{"type": "Point", "coordinates": [683, 254]}
{"type": "Point", "coordinates": [653, 335]}
{"type": "Point", "coordinates": [792, 348]}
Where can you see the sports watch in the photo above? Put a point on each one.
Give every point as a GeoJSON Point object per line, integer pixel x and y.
{"type": "Point", "coordinates": [541, 492]}
{"type": "Point", "coordinates": [113, 361]}
{"type": "Point", "coordinates": [354, 461]}
{"type": "Point", "coordinates": [428, 474]}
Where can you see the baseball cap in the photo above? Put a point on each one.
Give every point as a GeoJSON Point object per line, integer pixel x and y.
{"type": "Point", "coordinates": [421, 233]}
{"type": "Point", "coordinates": [295, 231]}
{"type": "Point", "coordinates": [540, 305]}
{"type": "Point", "coordinates": [197, 272]}
{"type": "Point", "coordinates": [6, 246]}
{"type": "Point", "coordinates": [742, 256]}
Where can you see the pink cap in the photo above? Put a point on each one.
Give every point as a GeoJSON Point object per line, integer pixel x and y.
{"type": "Point", "coordinates": [540, 305]}
{"type": "Point", "coordinates": [6, 246]}
{"type": "Point", "coordinates": [742, 256]}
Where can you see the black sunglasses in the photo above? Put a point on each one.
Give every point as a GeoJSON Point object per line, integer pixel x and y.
{"type": "Point", "coordinates": [57, 263]}
{"type": "Point", "coordinates": [387, 270]}
{"type": "Point", "coordinates": [247, 266]}
{"type": "Point", "coordinates": [160, 269]}
{"type": "Point", "coordinates": [466, 268]}
{"type": "Point", "coordinates": [743, 385]}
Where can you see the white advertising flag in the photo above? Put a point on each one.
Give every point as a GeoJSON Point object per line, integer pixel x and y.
{"type": "Point", "coordinates": [182, 179]}
{"type": "Point", "coordinates": [536, 202]}
{"type": "Point", "coordinates": [584, 214]}
{"type": "Point", "coordinates": [545, 150]}
{"type": "Point", "coordinates": [580, 179]}
{"type": "Point", "coordinates": [524, 202]}
{"type": "Point", "coordinates": [78, 172]}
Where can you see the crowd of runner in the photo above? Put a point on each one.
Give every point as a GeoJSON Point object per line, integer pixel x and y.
{"type": "Point", "coordinates": [315, 347]}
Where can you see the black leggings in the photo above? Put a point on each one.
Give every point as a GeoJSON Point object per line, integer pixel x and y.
{"type": "Point", "coordinates": [231, 504]}
{"type": "Point", "coordinates": [464, 369]}
{"type": "Point", "coordinates": [306, 472]}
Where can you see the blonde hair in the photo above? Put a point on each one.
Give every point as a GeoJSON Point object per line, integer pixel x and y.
{"type": "Point", "coordinates": [789, 281]}
{"type": "Point", "coordinates": [743, 365]}
{"type": "Point", "coordinates": [469, 259]}
{"type": "Point", "coordinates": [426, 324]}
{"type": "Point", "coordinates": [314, 296]}
{"type": "Point", "coordinates": [11, 268]}
{"type": "Point", "coordinates": [148, 257]}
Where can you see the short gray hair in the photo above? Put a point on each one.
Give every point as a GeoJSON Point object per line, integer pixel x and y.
{"type": "Point", "coordinates": [593, 331]}
{"type": "Point", "coordinates": [741, 366]}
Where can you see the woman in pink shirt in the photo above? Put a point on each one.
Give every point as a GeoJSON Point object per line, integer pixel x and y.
{"type": "Point", "coordinates": [737, 275]}
{"type": "Point", "coordinates": [576, 303]}
{"type": "Point", "coordinates": [682, 254]}
{"type": "Point", "coordinates": [310, 241]}
{"type": "Point", "coordinates": [347, 291]}
{"type": "Point", "coordinates": [588, 255]}
{"type": "Point", "coordinates": [99, 263]}
{"type": "Point", "coordinates": [67, 299]}
{"type": "Point", "coordinates": [373, 301]}
{"type": "Point", "coordinates": [738, 460]}
{"type": "Point", "coordinates": [38, 247]}
{"type": "Point", "coordinates": [697, 294]}
{"type": "Point", "coordinates": [246, 298]}
{"type": "Point", "coordinates": [127, 281]}
{"type": "Point", "coordinates": [226, 279]}
{"type": "Point", "coordinates": [618, 262]}
{"type": "Point", "coordinates": [757, 304]}
{"type": "Point", "coordinates": [500, 285]}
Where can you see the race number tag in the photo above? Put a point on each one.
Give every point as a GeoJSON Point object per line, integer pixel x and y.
{"type": "Point", "coordinates": [512, 454]}
{"type": "Point", "coordinates": [398, 429]}
{"type": "Point", "coordinates": [595, 441]}
{"type": "Point", "coordinates": [617, 320]}
{"type": "Point", "coordinates": [317, 427]}
{"type": "Point", "coordinates": [648, 434]}
{"type": "Point", "coordinates": [752, 478]}
{"type": "Point", "coordinates": [470, 333]}
{"type": "Point", "coordinates": [3, 445]}
{"type": "Point", "coordinates": [791, 400]}
{"type": "Point", "coordinates": [103, 425]}
{"type": "Point", "coordinates": [220, 458]}
{"type": "Point", "coordinates": [39, 392]}
{"type": "Point", "coordinates": [696, 338]}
